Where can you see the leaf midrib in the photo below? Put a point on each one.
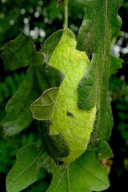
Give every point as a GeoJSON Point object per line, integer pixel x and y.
{"type": "Point", "coordinates": [59, 181]}
{"type": "Point", "coordinates": [90, 172]}
{"type": "Point", "coordinates": [25, 169]}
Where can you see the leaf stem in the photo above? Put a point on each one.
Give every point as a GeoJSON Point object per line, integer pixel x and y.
{"type": "Point", "coordinates": [66, 14]}
{"type": "Point", "coordinates": [68, 181]}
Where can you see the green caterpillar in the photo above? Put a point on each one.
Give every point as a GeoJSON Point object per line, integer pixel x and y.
{"type": "Point", "coordinates": [74, 124]}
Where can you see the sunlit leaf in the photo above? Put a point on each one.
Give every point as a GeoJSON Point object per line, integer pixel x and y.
{"type": "Point", "coordinates": [84, 174]}
{"type": "Point", "coordinates": [26, 169]}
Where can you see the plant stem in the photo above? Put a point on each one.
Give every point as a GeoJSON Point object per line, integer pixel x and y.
{"type": "Point", "coordinates": [66, 14]}
{"type": "Point", "coordinates": [68, 180]}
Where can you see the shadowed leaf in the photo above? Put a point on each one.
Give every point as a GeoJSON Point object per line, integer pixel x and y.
{"type": "Point", "coordinates": [43, 107]}
{"type": "Point", "coordinates": [51, 43]}
{"type": "Point", "coordinates": [56, 145]}
{"type": "Point", "coordinates": [18, 53]}
{"type": "Point", "coordinates": [39, 77]}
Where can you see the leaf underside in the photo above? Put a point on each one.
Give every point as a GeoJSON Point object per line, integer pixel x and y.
{"type": "Point", "coordinates": [51, 43]}
{"type": "Point", "coordinates": [42, 108]}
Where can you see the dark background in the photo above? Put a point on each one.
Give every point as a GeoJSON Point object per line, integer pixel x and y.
{"type": "Point", "coordinates": [40, 19]}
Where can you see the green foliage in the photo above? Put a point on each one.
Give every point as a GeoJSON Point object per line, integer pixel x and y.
{"type": "Point", "coordinates": [103, 24]}
{"type": "Point", "coordinates": [8, 149]}
{"type": "Point", "coordinates": [51, 43]}
{"type": "Point", "coordinates": [13, 14]}
{"type": "Point", "coordinates": [42, 108]}
{"type": "Point", "coordinates": [125, 4]}
{"type": "Point", "coordinates": [84, 174]}
{"type": "Point", "coordinates": [94, 37]}
{"type": "Point", "coordinates": [63, 59]}
{"type": "Point", "coordinates": [51, 141]}
{"type": "Point", "coordinates": [18, 53]}
{"type": "Point", "coordinates": [116, 63]}
{"type": "Point", "coordinates": [10, 85]}
{"type": "Point", "coordinates": [29, 161]}
{"type": "Point", "coordinates": [119, 93]}
{"type": "Point", "coordinates": [98, 24]}
{"type": "Point", "coordinates": [18, 113]}
{"type": "Point", "coordinates": [10, 146]}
